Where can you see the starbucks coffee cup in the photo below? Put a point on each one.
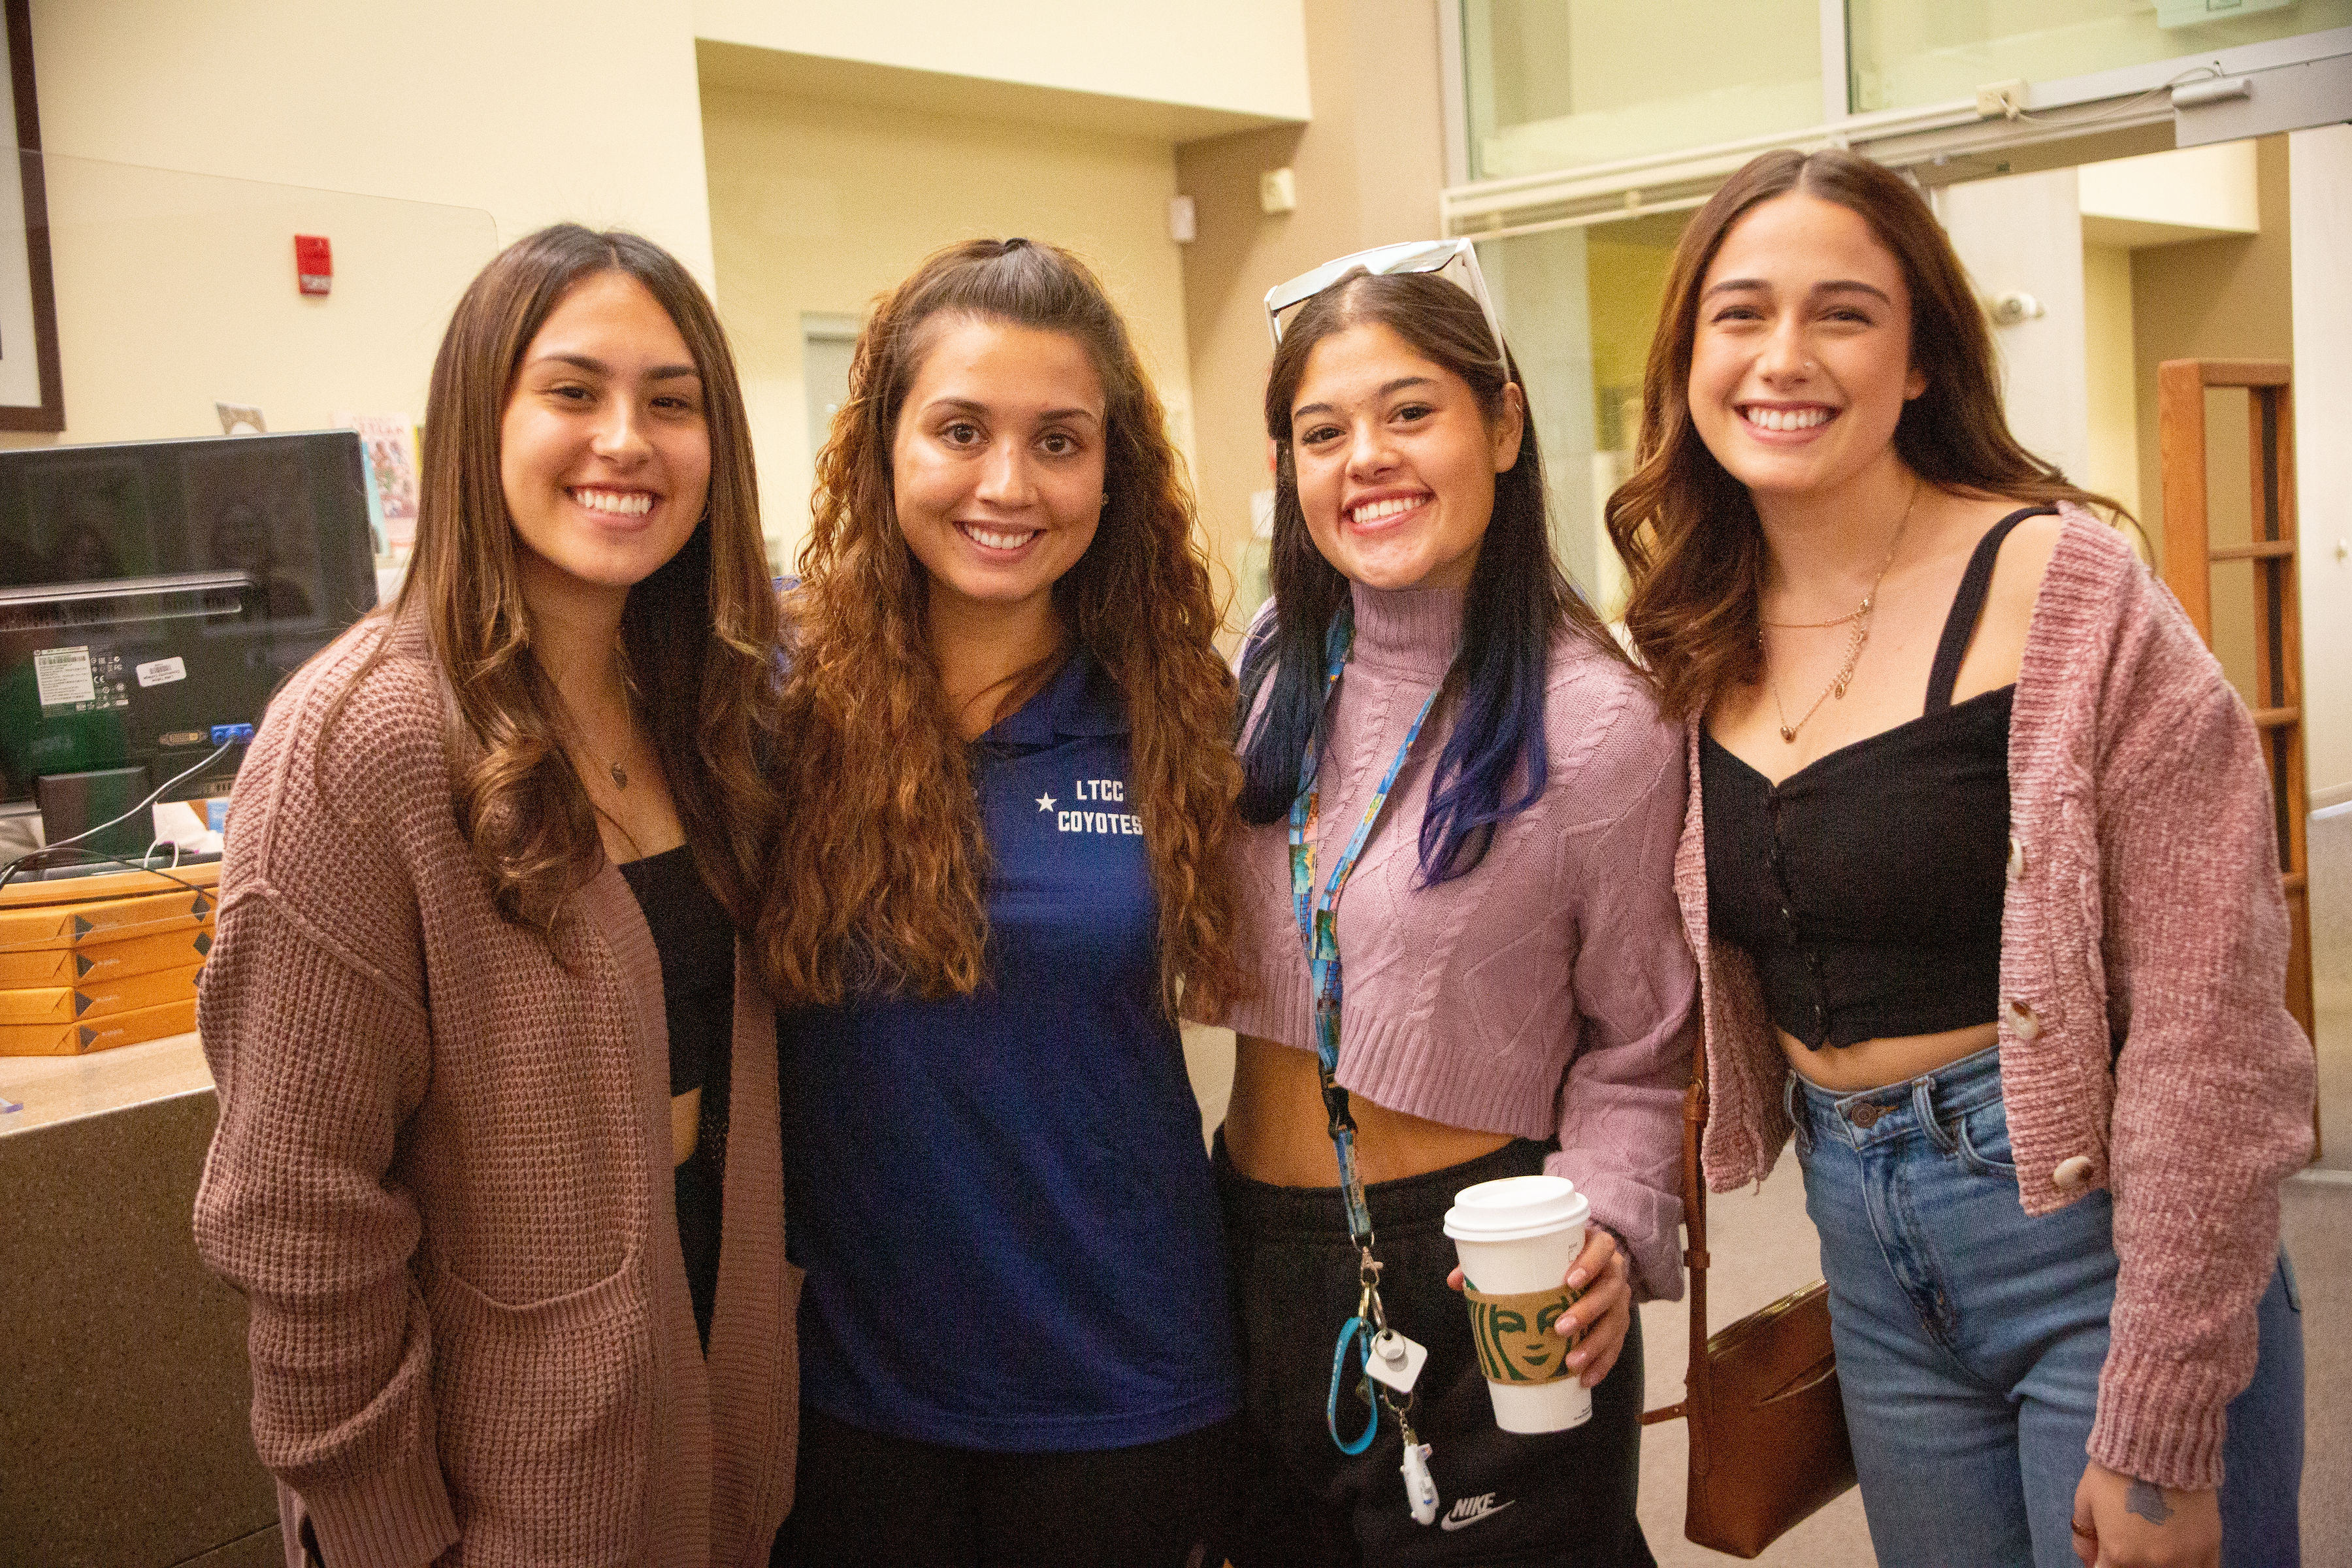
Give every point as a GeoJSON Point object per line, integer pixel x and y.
{"type": "Point", "coordinates": [1518, 1238]}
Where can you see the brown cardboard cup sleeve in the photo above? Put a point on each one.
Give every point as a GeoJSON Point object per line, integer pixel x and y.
{"type": "Point", "coordinates": [1514, 1335]}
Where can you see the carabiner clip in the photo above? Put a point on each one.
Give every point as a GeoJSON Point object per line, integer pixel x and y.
{"type": "Point", "coordinates": [1368, 1304]}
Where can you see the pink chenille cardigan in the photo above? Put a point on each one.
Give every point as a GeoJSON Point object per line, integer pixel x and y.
{"type": "Point", "coordinates": [442, 1178]}
{"type": "Point", "coordinates": [2145, 1044]}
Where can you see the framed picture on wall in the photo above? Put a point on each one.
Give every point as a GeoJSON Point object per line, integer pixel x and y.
{"type": "Point", "coordinates": [31, 397]}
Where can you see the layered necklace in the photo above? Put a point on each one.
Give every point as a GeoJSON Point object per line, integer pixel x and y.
{"type": "Point", "coordinates": [1858, 618]}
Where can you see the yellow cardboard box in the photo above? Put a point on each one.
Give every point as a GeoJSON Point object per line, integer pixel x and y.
{"type": "Point", "coordinates": [97, 999]}
{"type": "Point", "coordinates": [98, 1034]}
{"type": "Point", "coordinates": [103, 920]}
{"type": "Point", "coordinates": [25, 892]}
{"type": "Point", "coordinates": [106, 960]}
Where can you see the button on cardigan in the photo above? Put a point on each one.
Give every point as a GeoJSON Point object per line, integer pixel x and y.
{"type": "Point", "coordinates": [1547, 993]}
{"type": "Point", "coordinates": [442, 1178]}
{"type": "Point", "coordinates": [2145, 1042]}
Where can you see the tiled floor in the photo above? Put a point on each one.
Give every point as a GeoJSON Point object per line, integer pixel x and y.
{"type": "Point", "coordinates": [1763, 1248]}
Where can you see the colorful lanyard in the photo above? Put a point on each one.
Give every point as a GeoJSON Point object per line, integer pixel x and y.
{"type": "Point", "coordinates": [1318, 920]}
{"type": "Point", "coordinates": [1318, 932]}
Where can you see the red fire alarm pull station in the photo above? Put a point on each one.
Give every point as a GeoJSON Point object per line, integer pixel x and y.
{"type": "Point", "coordinates": [314, 263]}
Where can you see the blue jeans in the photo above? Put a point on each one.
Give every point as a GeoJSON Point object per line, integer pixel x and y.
{"type": "Point", "coordinates": [1969, 1335]}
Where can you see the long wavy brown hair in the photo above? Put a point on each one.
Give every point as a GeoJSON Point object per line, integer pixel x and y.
{"type": "Point", "coordinates": [697, 636]}
{"type": "Point", "coordinates": [1692, 546]}
{"type": "Point", "coordinates": [877, 882]}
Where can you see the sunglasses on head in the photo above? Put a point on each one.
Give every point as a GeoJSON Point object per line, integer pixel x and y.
{"type": "Point", "coordinates": [1456, 260]}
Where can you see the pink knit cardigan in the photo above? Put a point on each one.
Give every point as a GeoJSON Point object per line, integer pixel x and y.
{"type": "Point", "coordinates": [442, 1179]}
{"type": "Point", "coordinates": [2143, 968]}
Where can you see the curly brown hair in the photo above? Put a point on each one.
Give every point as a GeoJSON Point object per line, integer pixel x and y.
{"type": "Point", "coordinates": [877, 883]}
{"type": "Point", "coordinates": [698, 637]}
{"type": "Point", "coordinates": [1693, 545]}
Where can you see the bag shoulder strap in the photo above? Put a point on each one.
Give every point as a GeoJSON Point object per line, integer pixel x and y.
{"type": "Point", "coordinates": [1695, 1257]}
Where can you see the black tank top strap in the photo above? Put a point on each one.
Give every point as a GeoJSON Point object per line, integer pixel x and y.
{"type": "Point", "coordinates": [1968, 606]}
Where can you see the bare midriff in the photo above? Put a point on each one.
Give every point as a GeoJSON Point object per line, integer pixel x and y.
{"type": "Point", "coordinates": [1875, 1064]}
{"type": "Point", "coordinates": [1277, 1133]}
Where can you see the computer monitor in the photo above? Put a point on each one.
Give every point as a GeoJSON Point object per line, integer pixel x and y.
{"type": "Point", "coordinates": [153, 595]}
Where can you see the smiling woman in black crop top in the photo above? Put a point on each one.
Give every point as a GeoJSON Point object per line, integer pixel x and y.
{"type": "Point", "coordinates": [1867, 884]}
{"type": "Point", "coordinates": [1838, 553]}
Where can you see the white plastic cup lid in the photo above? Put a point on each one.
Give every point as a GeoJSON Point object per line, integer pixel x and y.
{"type": "Point", "coordinates": [1516, 1208]}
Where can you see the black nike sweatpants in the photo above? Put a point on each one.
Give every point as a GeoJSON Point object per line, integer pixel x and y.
{"type": "Point", "coordinates": [1505, 1498]}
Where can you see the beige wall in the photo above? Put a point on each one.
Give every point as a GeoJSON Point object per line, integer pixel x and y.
{"type": "Point", "coordinates": [177, 290]}
{"type": "Point", "coordinates": [2210, 187]}
{"type": "Point", "coordinates": [1241, 56]}
{"type": "Point", "coordinates": [2320, 181]}
{"type": "Point", "coordinates": [533, 113]}
{"type": "Point", "coordinates": [817, 207]}
{"type": "Point", "coordinates": [1368, 170]}
{"type": "Point", "coordinates": [2111, 453]}
{"type": "Point", "coordinates": [415, 137]}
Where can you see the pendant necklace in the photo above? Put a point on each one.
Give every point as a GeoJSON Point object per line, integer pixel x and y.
{"type": "Point", "coordinates": [1859, 618]}
{"type": "Point", "coordinates": [613, 769]}
{"type": "Point", "coordinates": [613, 764]}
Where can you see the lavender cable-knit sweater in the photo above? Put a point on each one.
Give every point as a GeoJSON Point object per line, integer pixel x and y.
{"type": "Point", "coordinates": [1549, 991]}
{"type": "Point", "coordinates": [2145, 1041]}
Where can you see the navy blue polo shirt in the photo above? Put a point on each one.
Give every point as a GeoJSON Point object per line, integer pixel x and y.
{"type": "Point", "coordinates": [1001, 1200]}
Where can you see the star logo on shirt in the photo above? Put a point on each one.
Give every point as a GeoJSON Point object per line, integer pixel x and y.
{"type": "Point", "coordinates": [1045, 802]}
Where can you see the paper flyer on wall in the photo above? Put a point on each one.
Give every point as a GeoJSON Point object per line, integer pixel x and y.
{"type": "Point", "coordinates": [390, 442]}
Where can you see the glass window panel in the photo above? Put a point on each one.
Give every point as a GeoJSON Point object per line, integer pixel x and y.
{"type": "Point", "coordinates": [1904, 54]}
{"type": "Point", "coordinates": [1555, 84]}
{"type": "Point", "coordinates": [1579, 306]}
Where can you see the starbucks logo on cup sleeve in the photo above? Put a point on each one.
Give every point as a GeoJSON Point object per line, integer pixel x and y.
{"type": "Point", "coordinates": [1514, 1335]}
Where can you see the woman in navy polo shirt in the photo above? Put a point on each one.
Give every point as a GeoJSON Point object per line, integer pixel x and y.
{"type": "Point", "coordinates": [1008, 792]}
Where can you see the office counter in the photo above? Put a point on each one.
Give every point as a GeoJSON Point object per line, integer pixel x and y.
{"type": "Point", "coordinates": [46, 1089]}
{"type": "Point", "coordinates": [123, 1386]}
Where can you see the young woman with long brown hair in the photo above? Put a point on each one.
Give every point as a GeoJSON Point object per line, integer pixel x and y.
{"type": "Point", "coordinates": [1427, 688]}
{"type": "Point", "coordinates": [1008, 792]}
{"type": "Point", "coordinates": [495, 1075]}
{"type": "Point", "coordinates": [2008, 957]}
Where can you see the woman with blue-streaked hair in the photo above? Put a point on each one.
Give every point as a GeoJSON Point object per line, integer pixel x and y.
{"type": "Point", "coordinates": [1438, 725]}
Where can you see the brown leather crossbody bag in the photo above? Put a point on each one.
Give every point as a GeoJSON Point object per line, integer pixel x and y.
{"type": "Point", "coordinates": [1768, 1439]}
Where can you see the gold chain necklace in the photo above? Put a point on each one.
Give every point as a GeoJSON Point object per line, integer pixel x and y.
{"type": "Point", "coordinates": [1860, 617]}
{"type": "Point", "coordinates": [611, 765]}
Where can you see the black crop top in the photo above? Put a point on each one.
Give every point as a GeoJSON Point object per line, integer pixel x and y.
{"type": "Point", "coordinates": [696, 943]}
{"type": "Point", "coordinates": [1868, 885]}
